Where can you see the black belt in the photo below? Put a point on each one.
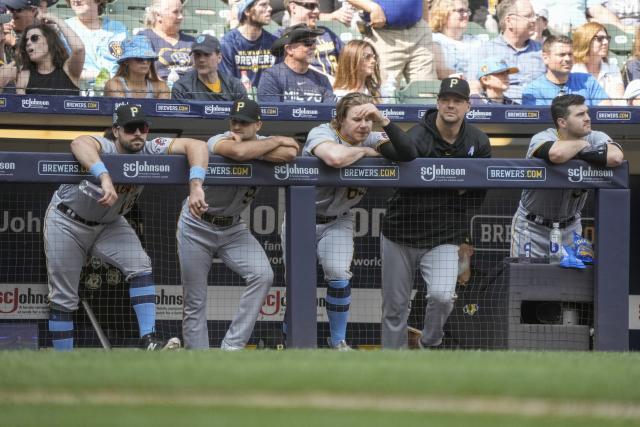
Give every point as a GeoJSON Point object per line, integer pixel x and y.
{"type": "Point", "coordinates": [218, 220]}
{"type": "Point", "coordinates": [540, 220]}
{"type": "Point", "coordinates": [67, 211]}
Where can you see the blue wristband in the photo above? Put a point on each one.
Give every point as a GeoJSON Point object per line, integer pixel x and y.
{"type": "Point", "coordinates": [196, 172]}
{"type": "Point", "coordinates": [97, 169]}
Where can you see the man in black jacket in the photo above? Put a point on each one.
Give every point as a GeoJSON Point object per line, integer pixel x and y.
{"type": "Point", "coordinates": [205, 82]}
{"type": "Point", "coordinates": [427, 228]}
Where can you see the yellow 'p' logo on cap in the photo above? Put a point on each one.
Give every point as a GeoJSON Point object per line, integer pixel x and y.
{"type": "Point", "coordinates": [454, 82]}
{"type": "Point", "coordinates": [134, 111]}
{"type": "Point", "coordinates": [240, 106]}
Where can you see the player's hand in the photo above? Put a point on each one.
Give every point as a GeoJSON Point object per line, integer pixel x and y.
{"type": "Point", "coordinates": [371, 112]}
{"type": "Point", "coordinates": [286, 141]}
{"type": "Point", "coordinates": [370, 152]}
{"type": "Point", "coordinates": [235, 137]}
{"type": "Point", "coordinates": [197, 202]}
{"type": "Point", "coordinates": [110, 195]}
{"type": "Point", "coordinates": [378, 18]}
{"type": "Point", "coordinates": [465, 250]}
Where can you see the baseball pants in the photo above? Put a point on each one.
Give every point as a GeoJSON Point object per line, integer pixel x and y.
{"type": "Point", "coordinates": [198, 243]}
{"type": "Point", "coordinates": [539, 235]}
{"type": "Point", "coordinates": [439, 269]}
{"type": "Point", "coordinates": [68, 243]}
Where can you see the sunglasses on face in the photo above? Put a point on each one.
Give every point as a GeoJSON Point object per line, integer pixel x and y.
{"type": "Point", "coordinates": [308, 6]}
{"type": "Point", "coordinates": [601, 39]}
{"type": "Point", "coordinates": [308, 42]}
{"type": "Point", "coordinates": [131, 128]}
{"type": "Point", "coordinates": [33, 38]}
{"type": "Point", "coordinates": [463, 12]}
{"type": "Point", "coordinates": [11, 10]}
{"type": "Point", "coordinates": [142, 59]}
{"type": "Point", "coordinates": [368, 56]}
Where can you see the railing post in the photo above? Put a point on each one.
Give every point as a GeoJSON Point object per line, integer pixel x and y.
{"type": "Point", "coordinates": [301, 267]}
{"type": "Point", "coordinates": [613, 208]}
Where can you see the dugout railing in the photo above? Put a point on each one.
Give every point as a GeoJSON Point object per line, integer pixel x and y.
{"type": "Point", "coordinates": [301, 177]}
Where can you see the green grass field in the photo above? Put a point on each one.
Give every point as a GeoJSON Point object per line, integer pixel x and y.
{"type": "Point", "coordinates": [319, 388]}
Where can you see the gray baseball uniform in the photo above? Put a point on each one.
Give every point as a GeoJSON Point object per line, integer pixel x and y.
{"type": "Point", "coordinates": [221, 231]}
{"type": "Point", "coordinates": [543, 207]}
{"type": "Point", "coordinates": [76, 226]}
{"type": "Point", "coordinates": [334, 232]}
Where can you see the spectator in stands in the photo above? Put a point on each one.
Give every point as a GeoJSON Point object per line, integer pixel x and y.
{"type": "Point", "coordinates": [101, 37]}
{"type": "Point", "coordinates": [402, 38]}
{"type": "Point", "coordinates": [163, 20]}
{"type": "Point", "coordinates": [624, 14]}
{"type": "Point", "coordinates": [7, 41]}
{"type": "Point", "coordinates": [246, 50]}
{"type": "Point", "coordinates": [449, 20]}
{"type": "Point", "coordinates": [136, 76]}
{"type": "Point", "coordinates": [24, 13]}
{"type": "Point", "coordinates": [541, 26]}
{"type": "Point", "coordinates": [631, 69]}
{"type": "Point", "coordinates": [328, 46]}
{"type": "Point", "coordinates": [358, 70]}
{"type": "Point", "coordinates": [632, 93]}
{"type": "Point", "coordinates": [330, 10]}
{"type": "Point", "coordinates": [591, 55]}
{"type": "Point", "coordinates": [293, 80]}
{"type": "Point", "coordinates": [47, 68]}
{"type": "Point", "coordinates": [204, 82]}
{"type": "Point", "coordinates": [514, 46]}
{"type": "Point", "coordinates": [494, 78]}
{"type": "Point", "coordinates": [559, 80]}
{"type": "Point", "coordinates": [564, 15]}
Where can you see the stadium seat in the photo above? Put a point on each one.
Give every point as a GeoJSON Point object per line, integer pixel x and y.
{"type": "Point", "coordinates": [213, 11]}
{"type": "Point", "coordinates": [419, 92]}
{"type": "Point", "coordinates": [129, 12]}
{"type": "Point", "coordinates": [621, 42]}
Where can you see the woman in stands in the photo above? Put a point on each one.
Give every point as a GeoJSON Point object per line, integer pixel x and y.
{"type": "Point", "coordinates": [136, 76]}
{"type": "Point", "coordinates": [449, 20]}
{"type": "Point", "coordinates": [358, 70]}
{"type": "Point", "coordinates": [631, 70]}
{"type": "Point", "coordinates": [47, 68]}
{"type": "Point", "coordinates": [101, 37]}
{"type": "Point", "coordinates": [590, 56]}
{"type": "Point", "coordinates": [163, 20]}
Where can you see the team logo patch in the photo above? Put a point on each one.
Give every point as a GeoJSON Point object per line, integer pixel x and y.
{"type": "Point", "coordinates": [115, 49]}
{"type": "Point", "coordinates": [470, 309]}
{"type": "Point", "coordinates": [95, 262]}
{"type": "Point", "coordinates": [93, 281]}
{"type": "Point", "coordinates": [113, 277]}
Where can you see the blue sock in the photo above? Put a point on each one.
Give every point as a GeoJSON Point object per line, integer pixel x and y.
{"type": "Point", "coordinates": [142, 292]}
{"type": "Point", "coordinates": [61, 329]}
{"type": "Point", "coordinates": [338, 300]}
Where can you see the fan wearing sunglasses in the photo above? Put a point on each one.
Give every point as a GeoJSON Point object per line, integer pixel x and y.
{"type": "Point", "coordinates": [78, 225]}
{"type": "Point", "coordinates": [47, 68]}
{"type": "Point", "coordinates": [136, 76]}
{"type": "Point", "coordinates": [293, 80]}
{"type": "Point", "coordinates": [591, 56]}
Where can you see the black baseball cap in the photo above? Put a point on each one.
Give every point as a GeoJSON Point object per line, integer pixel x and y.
{"type": "Point", "coordinates": [245, 110]}
{"type": "Point", "coordinates": [20, 4]}
{"type": "Point", "coordinates": [206, 43]}
{"type": "Point", "coordinates": [454, 86]}
{"type": "Point", "coordinates": [294, 34]}
{"type": "Point", "coordinates": [129, 113]}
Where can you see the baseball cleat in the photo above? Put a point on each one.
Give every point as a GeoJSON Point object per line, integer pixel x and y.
{"type": "Point", "coordinates": [413, 338]}
{"type": "Point", "coordinates": [340, 346]}
{"type": "Point", "coordinates": [150, 342]}
{"type": "Point", "coordinates": [226, 347]}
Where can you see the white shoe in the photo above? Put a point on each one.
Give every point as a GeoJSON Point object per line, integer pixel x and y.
{"type": "Point", "coordinates": [226, 347]}
{"type": "Point", "coordinates": [341, 346]}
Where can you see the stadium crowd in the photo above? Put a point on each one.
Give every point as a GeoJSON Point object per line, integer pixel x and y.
{"type": "Point", "coordinates": [510, 51]}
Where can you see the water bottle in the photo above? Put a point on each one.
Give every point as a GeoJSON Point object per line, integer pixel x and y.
{"type": "Point", "coordinates": [172, 78]}
{"type": "Point", "coordinates": [555, 240]}
{"type": "Point", "coordinates": [388, 90]}
{"type": "Point", "coordinates": [91, 190]}
{"type": "Point", "coordinates": [525, 249]}
{"type": "Point", "coordinates": [246, 82]}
